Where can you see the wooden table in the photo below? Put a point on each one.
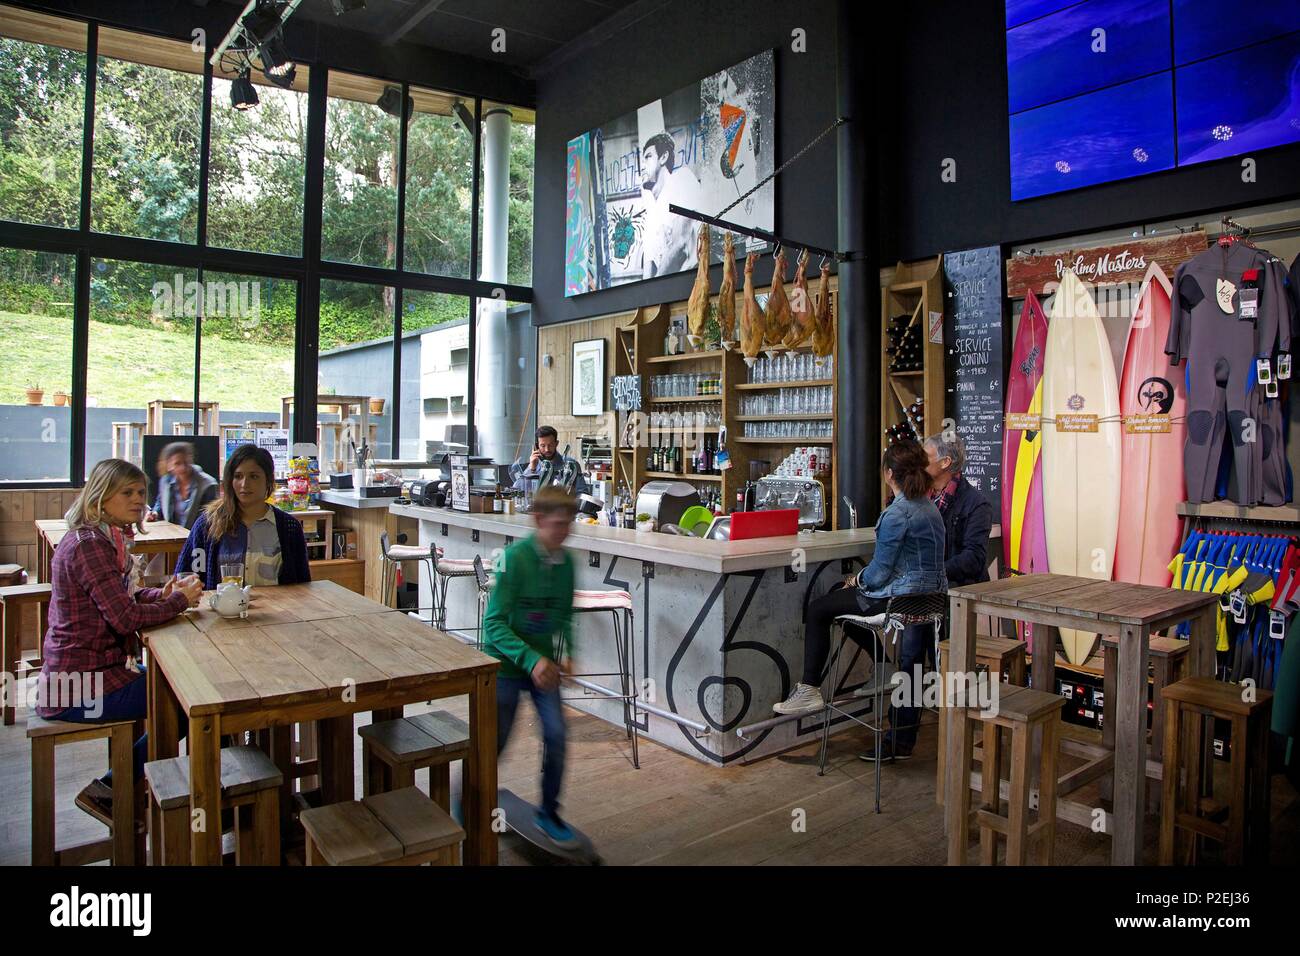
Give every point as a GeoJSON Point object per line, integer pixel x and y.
{"type": "Point", "coordinates": [313, 652]}
{"type": "Point", "coordinates": [1049, 601]}
{"type": "Point", "coordinates": [161, 537]}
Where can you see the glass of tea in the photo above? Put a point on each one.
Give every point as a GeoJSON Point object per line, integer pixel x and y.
{"type": "Point", "coordinates": [232, 572]}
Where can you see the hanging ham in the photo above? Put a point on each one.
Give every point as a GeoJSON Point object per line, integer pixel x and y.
{"type": "Point", "coordinates": [727, 292]}
{"type": "Point", "coordinates": [801, 307]}
{"type": "Point", "coordinates": [752, 322]}
{"type": "Point", "coordinates": [778, 307]}
{"type": "Point", "coordinates": [823, 336]}
{"type": "Point", "coordinates": [697, 306]}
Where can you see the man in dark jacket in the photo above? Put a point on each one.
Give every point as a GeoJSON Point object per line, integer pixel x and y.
{"type": "Point", "coordinates": [184, 490]}
{"type": "Point", "coordinates": [967, 514]}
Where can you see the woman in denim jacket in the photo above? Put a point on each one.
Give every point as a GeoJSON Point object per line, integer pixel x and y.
{"type": "Point", "coordinates": [908, 559]}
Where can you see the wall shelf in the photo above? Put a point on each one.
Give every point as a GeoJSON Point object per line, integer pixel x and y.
{"type": "Point", "coordinates": [677, 477]}
{"type": "Point", "coordinates": [685, 357]}
{"type": "Point", "coordinates": [679, 399]}
{"type": "Point", "coordinates": [806, 383]}
{"type": "Point", "coordinates": [797, 440]}
{"type": "Point", "coordinates": [812, 417]}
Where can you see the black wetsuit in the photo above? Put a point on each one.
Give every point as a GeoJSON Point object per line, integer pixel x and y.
{"type": "Point", "coordinates": [1221, 348]}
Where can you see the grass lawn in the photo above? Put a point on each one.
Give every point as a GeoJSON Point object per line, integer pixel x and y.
{"type": "Point", "coordinates": [130, 366]}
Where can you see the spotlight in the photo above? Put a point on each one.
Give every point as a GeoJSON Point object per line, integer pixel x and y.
{"type": "Point", "coordinates": [390, 101]}
{"type": "Point", "coordinates": [243, 96]}
{"type": "Point", "coordinates": [264, 19]}
{"type": "Point", "coordinates": [463, 116]}
{"type": "Point", "coordinates": [275, 58]}
{"type": "Point", "coordinates": [347, 6]}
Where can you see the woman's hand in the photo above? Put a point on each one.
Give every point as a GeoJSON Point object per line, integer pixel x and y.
{"type": "Point", "coordinates": [191, 586]}
{"type": "Point", "coordinates": [153, 516]}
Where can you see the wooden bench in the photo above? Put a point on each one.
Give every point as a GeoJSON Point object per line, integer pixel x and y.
{"type": "Point", "coordinates": [392, 750]}
{"type": "Point", "coordinates": [1245, 834]}
{"type": "Point", "coordinates": [999, 655]}
{"type": "Point", "coordinates": [12, 601]}
{"type": "Point", "coordinates": [1022, 712]}
{"type": "Point", "coordinates": [45, 735]}
{"type": "Point", "coordinates": [250, 783]}
{"type": "Point", "coordinates": [397, 828]}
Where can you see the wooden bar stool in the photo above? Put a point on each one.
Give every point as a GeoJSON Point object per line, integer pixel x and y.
{"type": "Point", "coordinates": [1245, 834]}
{"type": "Point", "coordinates": [398, 828]}
{"type": "Point", "coordinates": [12, 601]}
{"type": "Point", "coordinates": [1168, 664]}
{"type": "Point", "coordinates": [999, 655]}
{"type": "Point", "coordinates": [1021, 712]}
{"type": "Point", "coordinates": [45, 735]}
{"type": "Point", "coordinates": [392, 750]}
{"type": "Point", "coordinates": [250, 786]}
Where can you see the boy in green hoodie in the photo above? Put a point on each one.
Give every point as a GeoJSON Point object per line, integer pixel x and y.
{"type": "Point", "coordinates": [531, 605]}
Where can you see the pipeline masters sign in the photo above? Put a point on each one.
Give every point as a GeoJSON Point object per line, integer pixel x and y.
{"type": "Point", "coordinates": [973, 308]}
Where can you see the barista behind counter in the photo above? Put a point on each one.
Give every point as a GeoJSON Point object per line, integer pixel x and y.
{"type": "Point", "coordinates": [545, 450]}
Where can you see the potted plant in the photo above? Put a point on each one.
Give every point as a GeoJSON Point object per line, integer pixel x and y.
{"type": "Point", "coordinates": [644, 522]}
{"type": "Point", "coordinates": [60, 397]}
{"type": "Point", "coordinates": [376, 406]}
{"type": "Point", "coordinates": [35, 395]}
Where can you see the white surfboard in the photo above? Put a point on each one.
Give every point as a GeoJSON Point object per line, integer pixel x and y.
{"type": "Point", "coordinates": [1081, 470]}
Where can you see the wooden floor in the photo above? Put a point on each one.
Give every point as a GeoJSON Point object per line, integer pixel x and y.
{"type": "Point", "coordinates": [674, 810]}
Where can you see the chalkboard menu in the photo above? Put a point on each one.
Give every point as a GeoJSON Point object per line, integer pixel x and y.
{"type": "Point", "coordinates": [973, 301]}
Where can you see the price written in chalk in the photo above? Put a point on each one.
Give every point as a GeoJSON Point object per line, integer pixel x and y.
{"type": "Point", "coordinates": [1023, 422]}
{"type": "Point", "coordinates": [1147, 425]}
{"type": "Point", "coordinates": [1076, 423]}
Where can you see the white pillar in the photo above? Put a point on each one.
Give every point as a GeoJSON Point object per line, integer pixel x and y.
{"type": "Point", "coordinates": [494, 365]}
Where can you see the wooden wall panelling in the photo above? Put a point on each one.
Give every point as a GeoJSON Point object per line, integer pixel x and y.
{"type": "Point", "coordinates": [555, 384]}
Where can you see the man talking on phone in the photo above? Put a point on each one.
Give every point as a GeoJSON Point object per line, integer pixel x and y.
{"type": "Point", "coordinates": [546, 450]}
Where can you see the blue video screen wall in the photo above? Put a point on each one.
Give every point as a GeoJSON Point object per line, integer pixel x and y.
{"type": "Point", "coordinates": [1101, 90]}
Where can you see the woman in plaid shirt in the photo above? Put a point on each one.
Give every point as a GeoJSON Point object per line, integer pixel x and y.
{"type": "Point", "coordinates": [90, 672]}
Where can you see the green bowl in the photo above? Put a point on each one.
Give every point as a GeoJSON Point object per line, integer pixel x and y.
{"type": "Point", "coordinates": [695, 516]}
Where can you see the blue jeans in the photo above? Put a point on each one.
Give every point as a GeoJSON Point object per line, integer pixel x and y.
{"type": "Point", "coordinates": [553, 737]}
{"type": "Point", "coordinates": [915, 647]}
{"type": "Point", "coordinates": [126, 703]}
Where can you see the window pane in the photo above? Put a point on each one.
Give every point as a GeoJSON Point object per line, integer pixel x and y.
{"type": "Point", "coordinates": [42, 108]}
{"type": "Point", "coordinates": [506, 370]}
{"type": "Point", "coordinates": [36, 290]}
{"type": "Point", "coordinates": [256, 167]}
{"type": "Point", "coordinates": [141, 349]}
{"type": "Point", "coordinates": [435, 373]}
{"type": "Point", "coordinates": [506, 196]}
{"type": "Point", "coordinates": [439, 184]}
{"type": "Point", "coordinates": [146, 140]}
{"type": "Point", "coordinates": [356, 360]}
{"type": "Point", "coordinates": [359, 218]}
{"type": "Point", "coordinates": [247, 355]}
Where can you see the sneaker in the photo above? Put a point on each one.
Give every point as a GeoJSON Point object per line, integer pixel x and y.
{"type": "Point", "coordinates": [556, 830]}
{"type": "Point", "coordinates": [887, 752]}
{"type": "Point", "coordinates": [806, 699]}
{"type": "Point", "coordinates": [96, 798]}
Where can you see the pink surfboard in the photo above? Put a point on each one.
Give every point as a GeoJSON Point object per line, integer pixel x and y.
{"type": "Point", "coordinates": [1024, 544]}
{"type": "Point", "coordinates": [1151, 478]}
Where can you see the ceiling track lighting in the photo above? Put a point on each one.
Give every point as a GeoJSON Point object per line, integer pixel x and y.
{"type": "Point", "coordinates": [347, 6]}
{"type": "Point", "coordinates": [259, 32]}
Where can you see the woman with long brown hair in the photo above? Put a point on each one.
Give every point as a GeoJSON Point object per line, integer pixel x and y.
{"type": "Point", "coordinates": [908, 559]}
{"type": "Point", "coordinates": [241, 528]}
{"type": "Point", "coordinates": [90, 650]}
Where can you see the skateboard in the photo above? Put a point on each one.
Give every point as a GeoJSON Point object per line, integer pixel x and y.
{"type": "Point", "coordinates": [518, 814]}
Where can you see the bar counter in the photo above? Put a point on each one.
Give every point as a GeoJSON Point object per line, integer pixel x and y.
{"type": "Point", "coordinates": [718, 634]}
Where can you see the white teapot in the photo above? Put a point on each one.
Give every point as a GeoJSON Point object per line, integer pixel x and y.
{"type": "Point", "coordinates": [230, 600]}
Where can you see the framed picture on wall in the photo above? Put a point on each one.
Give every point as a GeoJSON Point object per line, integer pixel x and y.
{"type": "Point", "coordinates": [589, 377]}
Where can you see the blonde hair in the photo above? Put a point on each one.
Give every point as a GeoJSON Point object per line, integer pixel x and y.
{"type": "Point", "coordinates": [106, 479]}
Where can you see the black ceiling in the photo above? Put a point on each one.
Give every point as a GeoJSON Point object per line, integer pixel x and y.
{"type": "Point", "coordinates": [535, 29]}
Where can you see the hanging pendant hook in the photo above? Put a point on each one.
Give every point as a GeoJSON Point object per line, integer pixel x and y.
{"type": "Point", "coordinates": [822, 264]}
{"type": "Point", "coordinates": [776, 252]}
